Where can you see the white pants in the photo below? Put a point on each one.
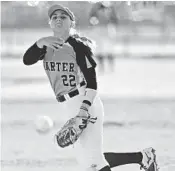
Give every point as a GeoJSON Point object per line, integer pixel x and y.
{"type": "Point", "coordinates": [89, 147]}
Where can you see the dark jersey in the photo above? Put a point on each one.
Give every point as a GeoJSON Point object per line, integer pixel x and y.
{"type": "Point", "coordinates": [66, 67]}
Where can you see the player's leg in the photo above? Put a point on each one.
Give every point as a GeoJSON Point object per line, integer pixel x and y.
{"type": "Point", "coordinates": [88, 148]}
{"type": "Point", "coordinates": [91, 140]}
{"type": "Point", "coordinates": [117, 159]}
{"type": "Point", "coordinates": [91, 144]}
{"type": "Point", "coordinates": [146, 159]}
{"type": "Point", "coordinates": [106, 168]}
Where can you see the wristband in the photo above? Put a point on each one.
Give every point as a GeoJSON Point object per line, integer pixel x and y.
{"type": "Point", "coordinates": [85, 106]}
{"type": "Point", "coordinates": [87, 102]}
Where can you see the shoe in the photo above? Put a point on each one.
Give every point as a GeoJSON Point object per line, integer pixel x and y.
{"type": "Point", "coordinates": [149, 160]}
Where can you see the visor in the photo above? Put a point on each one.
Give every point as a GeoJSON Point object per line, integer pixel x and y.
{"type": "Point", "coordinates": [54, 8]}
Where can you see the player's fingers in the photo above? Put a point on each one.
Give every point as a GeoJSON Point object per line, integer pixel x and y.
{"type": "Point", "coordinates": [53, 47]}
{"type": "Point", "coordinates": [57, 45]}
{"type": "Point", "coordinates": [52, 40]}
{"type": "Point", "coordinates": [60, 40]}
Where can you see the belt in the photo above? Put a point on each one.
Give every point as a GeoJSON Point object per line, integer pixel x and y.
{"type": "Point", "coordinates": [70, 94]}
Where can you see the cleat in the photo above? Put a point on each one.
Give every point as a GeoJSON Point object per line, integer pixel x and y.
{"type": "Point", "coordinates": [149, 162]}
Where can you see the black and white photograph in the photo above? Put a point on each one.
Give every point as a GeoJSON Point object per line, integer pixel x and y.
{"type": "Point", "coordinates": [87, 86]}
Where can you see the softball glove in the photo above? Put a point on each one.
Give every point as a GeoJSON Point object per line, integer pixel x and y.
{"type": "Point", "coordinates": [72, 130]}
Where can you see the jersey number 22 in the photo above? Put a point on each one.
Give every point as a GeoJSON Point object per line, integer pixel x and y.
{"type": "Point", "coordinates": [69, 80]}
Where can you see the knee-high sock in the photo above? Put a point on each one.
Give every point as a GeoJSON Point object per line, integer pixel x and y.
{"type": "Point", "coordinates": [117, 159]}
{"type": "Point", "coordinates": [106, 168]}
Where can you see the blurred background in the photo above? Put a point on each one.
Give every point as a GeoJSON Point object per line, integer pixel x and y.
{"type": "Point", "coordinates": [136, 73]}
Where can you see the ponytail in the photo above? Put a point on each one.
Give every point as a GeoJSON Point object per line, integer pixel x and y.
{"type": "Point", "coordinates": [83, 47]}
{"type": "Point", "coordinates": [90, 44]}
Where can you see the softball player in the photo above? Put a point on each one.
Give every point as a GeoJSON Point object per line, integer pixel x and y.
{"type": "Point", "coordinates": [70, 67]}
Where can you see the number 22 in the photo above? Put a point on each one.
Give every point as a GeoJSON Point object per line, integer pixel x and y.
{"type": "Point", "coordinates": [68, 80]}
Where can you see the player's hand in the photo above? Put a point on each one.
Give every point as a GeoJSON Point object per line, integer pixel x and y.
{"type": "Point", "coordinates": [52, 42]}
{"type": "Point", "coordinates": [84, 116]}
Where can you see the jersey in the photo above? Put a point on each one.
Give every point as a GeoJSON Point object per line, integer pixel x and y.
{"type": "Point", "coordinates": [62, 69]}
{"type": "Point", "coordinates": [66, 67]}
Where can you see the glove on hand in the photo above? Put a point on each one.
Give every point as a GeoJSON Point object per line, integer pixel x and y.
{"type": "Point", "coordinates": [73, 128]}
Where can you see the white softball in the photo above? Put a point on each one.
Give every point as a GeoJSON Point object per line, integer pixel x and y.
{"type": "Point", "coordinates": [43, 124]}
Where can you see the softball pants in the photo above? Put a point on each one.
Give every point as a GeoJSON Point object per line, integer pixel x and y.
{"type": "Point", "coordinates": [89, 147]}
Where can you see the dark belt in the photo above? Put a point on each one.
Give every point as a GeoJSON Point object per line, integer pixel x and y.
{"type": "Point", "coordinates": [70, 94]}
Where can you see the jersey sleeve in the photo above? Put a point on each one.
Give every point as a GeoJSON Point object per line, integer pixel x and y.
{"type": "Point", "coordinates": [34, 54]}
{"type": "Point", "coordinates": [87, 66]}
{"type": "Point", "coordinates": [84, 58]}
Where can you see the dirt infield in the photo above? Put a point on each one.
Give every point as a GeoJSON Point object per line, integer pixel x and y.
{"type": "Point", "coordinates": [139, 112]}
{"type": "Point", "coordinates": [24, 149]}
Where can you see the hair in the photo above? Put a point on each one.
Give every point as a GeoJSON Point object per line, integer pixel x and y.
{"type": "Point", "coordinates": [73, 24]}
{"type": "Point", "coordinates": [91, 44]}
{"type": "Point", "coordinates": [83, 47]}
